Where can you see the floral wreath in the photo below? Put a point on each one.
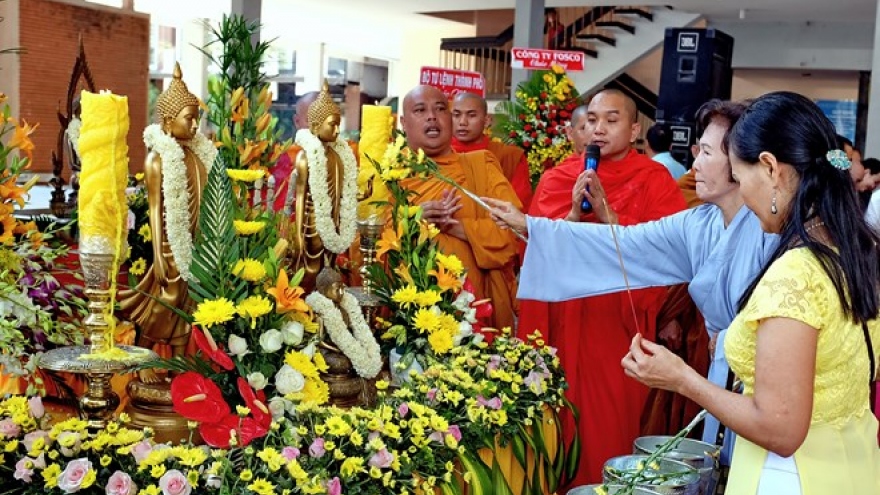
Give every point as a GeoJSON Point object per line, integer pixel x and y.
{"type": "Point", "coordinates": [333, 240]}
{"type": "Point", "coordinates": [360, 346]}
{"type": "Point", "coordinates": [175, 195]}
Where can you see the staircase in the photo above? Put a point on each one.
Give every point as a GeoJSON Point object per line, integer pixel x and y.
{"type": "Point", "coordinates": [612, 38]}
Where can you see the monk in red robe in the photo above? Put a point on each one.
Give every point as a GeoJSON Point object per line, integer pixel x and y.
{"type": "Point", "coordinates": [466, 230]}
{"type": "Point", "coordinates": [591, 333]}
{"type": "Point", "coordinates": [470, 118]}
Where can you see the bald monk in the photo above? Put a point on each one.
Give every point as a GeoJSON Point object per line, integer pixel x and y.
{"type": "Point", "coordinates": [467, 230]}
{"type": "Point", "coordinates": [284, 166]}
{"type": "Point", "coordinates": [591, 333]}
{"type": "Point", "coordinates": [470, 118]}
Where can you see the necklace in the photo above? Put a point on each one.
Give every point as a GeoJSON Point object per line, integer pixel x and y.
{"type": "Point", "coordinates": [335, 241]}
{"type": "Point", "coordinates": [175, 194]}
{"type": "Point", "coordinates": [358, 345]}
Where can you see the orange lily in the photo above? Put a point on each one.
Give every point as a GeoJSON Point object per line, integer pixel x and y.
{"type": "Point", "coordinates": [241, 112]}
{"type": "Point", "coordinates": [287, 298]}
{"type": "Point", "coordinates": [8, 225]}
{"type": "Point", "coordinates": [251, 151]}
{"type": "Point", "coordinates": [11, 191]}
{"type": "Point", "coordinates": [403, 272]}
{"type": "Point", "coordinates": [390, 241]}
{"type": "Point", "coordinates": [445, 279]}
{"type": "Point", "coordinates": [21, 139]}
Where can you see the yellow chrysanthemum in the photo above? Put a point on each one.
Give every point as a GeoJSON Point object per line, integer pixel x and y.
{"type": "Point", "coordinates": [249, 269]}
{"type": "Point", "coordinates": [426, 321]}
{"type": "Point", "coordinates": [246, 175]}
{"type": "Point", "coordinates": [428, 298]}
{"type": "Point", "coordinates": [254, 307]}
{"type": "Point", "coordinates": [243, 227]}
{"type": "Point", "coordinates": [451, 263]}
{"type": "Point", "coordinates": [302, 363]}
{"type": "Point", "coordinates": [405, 296]}
{"type": "Point", "coordinates": [261, 486]}
{"type": "Point", "coordinates": [337, 426]}
{"type": "Point", "coordinates": [315, 392]}
{"type": "Point", "coordinates": [351, 466]}
{"type": "Point", "coordinates": [139, 267]}
{"type": "Point", "coordinates": [213, 312]}
{"type": "Point", "coordinates": [146, 233]}
{"type": "Point", "coordinates": [440, 342]}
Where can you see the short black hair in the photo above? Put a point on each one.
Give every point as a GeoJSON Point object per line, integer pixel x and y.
{"type": "Point", "coordinates": [844, 141]}
{"type": "Point", "coordinates": [872, 164]}
{"type": "Point", "coordinates": [659, 138]}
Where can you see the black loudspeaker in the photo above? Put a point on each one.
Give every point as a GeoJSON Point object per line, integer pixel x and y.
{"type": "Point", "coordinates": [696, 68]}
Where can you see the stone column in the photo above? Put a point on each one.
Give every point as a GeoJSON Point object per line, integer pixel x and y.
{"type": "Point", "coordinates": [528, 32]}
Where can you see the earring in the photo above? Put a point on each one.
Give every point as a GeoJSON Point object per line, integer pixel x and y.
{"type": "Point", "coordinates": [773, 208]}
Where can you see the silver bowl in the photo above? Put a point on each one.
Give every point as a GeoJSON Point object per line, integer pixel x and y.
{"type": "Point", "coordinates": [700, 455]}
{"type": "Point", "coordinates": [686, 481]}
{"type": "Point", "coordinates": [612, 490]}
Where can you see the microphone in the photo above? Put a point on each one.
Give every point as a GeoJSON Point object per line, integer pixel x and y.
{"type": "Point", "coordinates": [591, 162]}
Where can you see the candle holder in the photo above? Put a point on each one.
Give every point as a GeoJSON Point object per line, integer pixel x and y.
{"type": "Point", "coordinates": [370, 230]}
{"type": "Point", "coordinates": [101, 359]}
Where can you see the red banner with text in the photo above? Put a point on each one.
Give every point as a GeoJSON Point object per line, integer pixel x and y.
{"type": "Point", "coordinates": [452, 81]}
{"type": "Point", "coordinates": [537, 58]}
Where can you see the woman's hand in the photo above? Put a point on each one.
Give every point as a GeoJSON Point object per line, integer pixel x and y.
{"type": "Point", "coordinates": [654, 365]}
{"type": "Point", "coordinates": [507, 216]}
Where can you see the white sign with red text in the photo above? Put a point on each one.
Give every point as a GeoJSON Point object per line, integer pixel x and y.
{"type": "Point", "coordinates": [452, 82]}
{"type": "Point", "coordinates": [537, 58]}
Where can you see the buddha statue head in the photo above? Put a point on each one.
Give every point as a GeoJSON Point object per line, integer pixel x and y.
{"type": "Point", "coordinates": [329, 283]}
{"type": "Point", "coordinates": [177, 110]}
{"type": "Point", "coordinates": [324, 116]}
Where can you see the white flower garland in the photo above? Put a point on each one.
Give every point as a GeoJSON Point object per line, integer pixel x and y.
{"type": "Point", "coordinates": [333, 240]}
{"type": "Point", "coordinates": [360, 346]}
{"type": "Point", "coordinates": [73, 128]}
{"type": "Point", "coordinates": [175, 194]}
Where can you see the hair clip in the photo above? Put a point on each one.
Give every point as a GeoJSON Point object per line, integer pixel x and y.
{"type": "Point", "coordinates": [838, 159]}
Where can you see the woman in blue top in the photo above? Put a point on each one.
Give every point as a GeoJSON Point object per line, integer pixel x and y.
{"type": "Point", "coordinates": [717, 248]}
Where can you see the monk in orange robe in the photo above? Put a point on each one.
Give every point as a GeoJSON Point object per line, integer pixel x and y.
{"type": "Point", "coordinates": [470, 118]}
{"type": "Point", "coordinates": [591, 333]}
{"type": "Point", "coordinates": [688, 185]}
{"type": "Point", "coordinates": [466, 230]}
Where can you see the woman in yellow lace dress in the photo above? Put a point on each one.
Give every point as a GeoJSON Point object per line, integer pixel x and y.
{"type": "Point", "coordinates": [804, 340]}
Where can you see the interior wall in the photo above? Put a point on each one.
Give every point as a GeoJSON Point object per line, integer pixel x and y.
{"type": "Point", "coordinates": [814, 84]}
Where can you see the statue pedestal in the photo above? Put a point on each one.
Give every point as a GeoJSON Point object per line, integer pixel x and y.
{"type": "Point", "coordinates": [151, 407]}
{"type": "Point", "coordinates": [347, 389]}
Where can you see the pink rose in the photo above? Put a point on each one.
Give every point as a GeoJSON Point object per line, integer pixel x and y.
{"type": "Point", "coordinates": [9, 429]}
{"type": "Point", "coordinates": [334, 487]}
{"type": "Point", "coordinates": [432, 394]}
{"type": "Point", "coordinates": [141, 450]}
{"type": "Point", "coordinates": [120, 484]}
{"type": "Point", "coordinates": [381, 459]}
{"type": "Point", "coordinates": [173, 482]}
{"type": "Point", "coordinates": [32, 437]}
{"type": "Point", "coordinates": [403, 409]}
{"type": "Point", "coordinates": [71, 478]}
{"type": "Point", "coordinates": [493, 403]}
{"type": "Point", "coordinates": [35, 404]}
{"type": "Point", "coordinates": [316, 449]}
{"type": "Point", "coordinates": [290, 453]}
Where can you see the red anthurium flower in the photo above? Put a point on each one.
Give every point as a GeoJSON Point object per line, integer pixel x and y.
{"type": "Point", "coordinates": [198, 398]}
{"type": "Point", "coordinates": [218, 434]}
{"type": "Point", "coordinates": [484, 308]}
{"type": "Point", "coordinates": [256, 402]}
{"type": "Point", "coordinates": [206, 344]}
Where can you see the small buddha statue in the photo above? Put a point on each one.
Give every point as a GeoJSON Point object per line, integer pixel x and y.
{"type": "Point", "coordinates": [325, 209]}
{"type": "Point", "coordinates": [177, 116]}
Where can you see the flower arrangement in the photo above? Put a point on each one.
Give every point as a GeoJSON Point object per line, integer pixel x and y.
{"type": "Point", "coordinates": [431, 308]}
{"type": "Point", "coordinates": [140, 237]}
{"type": "Point", "coordinates": [536, 120]}
{"type": "Point", "coordinates": [36, 311]}
{"type": "Point", "coordinates": [253, 329]}
{"type": "Point", "coordinates": [506, 391]}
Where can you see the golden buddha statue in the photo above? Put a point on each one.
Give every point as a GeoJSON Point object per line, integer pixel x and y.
{"type": "Point", "coordinates": [174, 183]}
{"type": "Point", "coordinates": [325, 209]}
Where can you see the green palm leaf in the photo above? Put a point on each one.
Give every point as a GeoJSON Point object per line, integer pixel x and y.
{"type": "Point", "coordinates": [215, 248]}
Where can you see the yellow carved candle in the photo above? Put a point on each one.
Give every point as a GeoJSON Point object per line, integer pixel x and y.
{"type": "Point", "coordinates": [376, 126]}
{"type": "Point", "coordinates": [103, 210]}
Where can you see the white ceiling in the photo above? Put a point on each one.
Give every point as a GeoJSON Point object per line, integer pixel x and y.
{"type": "Point", "coordinates": [755, 10]}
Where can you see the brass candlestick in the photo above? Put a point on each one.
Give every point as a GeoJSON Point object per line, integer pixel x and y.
{"type": "Point", "coordinates": [370, 230]}
{"type": "Point", "coordinates": [101, 359]}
